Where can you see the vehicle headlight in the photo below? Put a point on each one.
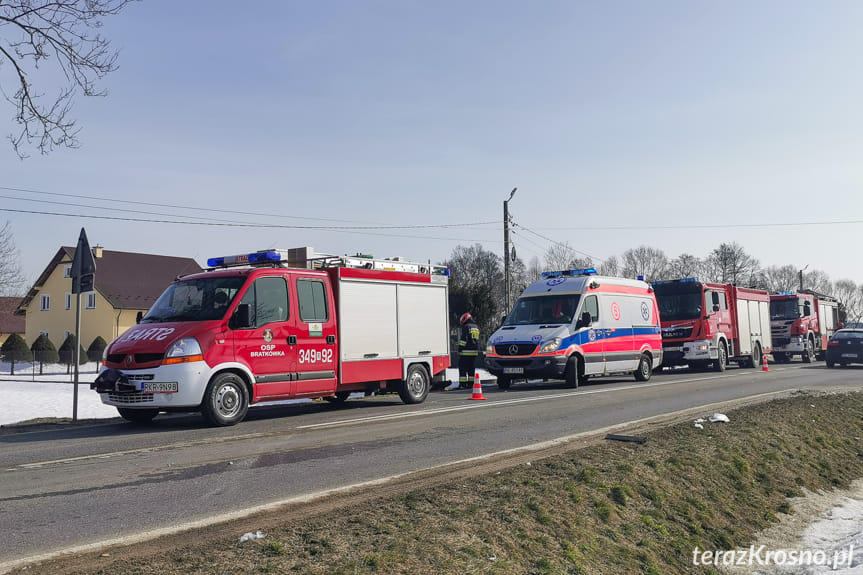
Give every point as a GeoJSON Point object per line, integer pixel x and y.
{"type": "Point", "coordinates": [183, 350]}
{"type": "Point", "coordinates": [551, 345]}
{"type": "Point", "coordinates": [489, 349]}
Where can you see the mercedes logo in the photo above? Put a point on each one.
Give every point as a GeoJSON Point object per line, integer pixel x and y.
{"type": "Point", "coordinates": [513, 349]}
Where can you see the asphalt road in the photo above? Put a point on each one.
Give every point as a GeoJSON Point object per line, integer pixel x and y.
{"type": "Point", "coordinates": [85, 484]}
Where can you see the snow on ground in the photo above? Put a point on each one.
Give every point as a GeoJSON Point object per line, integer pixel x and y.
{"type": "Point", "coordinates": [28, 395]}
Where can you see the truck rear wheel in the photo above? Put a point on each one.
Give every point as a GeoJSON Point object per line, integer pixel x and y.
{"type": "Point", "coordinates": [415, 387]}
{"type": "Point", "coordinates": [755, 360]}
{"type": "Point", "coordinates": [226, 401]}
{"type": "Point", "coordinates": [137, 415]}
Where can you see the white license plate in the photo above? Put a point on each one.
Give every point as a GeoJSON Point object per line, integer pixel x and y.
{"type": "Point", "coordinates": [849, 355]}
{"type": "Point", "coordinates": [513, 370]}
{"type": "Point", "coordinates": [159, 387]}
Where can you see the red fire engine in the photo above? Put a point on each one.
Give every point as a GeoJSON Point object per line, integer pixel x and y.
{"type": "Point", "coordinates": [708, 323]}
{"type": "Point", "coordinates": [801, 323]}
{"type": "Point", "coordinates": [251, 330]}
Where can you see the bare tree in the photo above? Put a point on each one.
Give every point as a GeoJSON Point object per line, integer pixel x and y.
{"type": "Point", "coordinates": [777, 279]}
{"type": "Point", "coordinates": [683, 266]}
{"type": "Point", "coordinates": [12, 281]}
{"type": "Point", "coordinates": [817, 280]}
{"type": "Point", "coordinates": [850, 299]}
{"type": "Point", "coordinates": [65, 34]}
{"type": "Point", "coordinates": [610, 267]}
{"type": "Point", "coordinates": [476, 286]}
{"type": "Point", "coordinates": [644, 261]}
{"type": "Point", "coordinates": [732, 264]}
{"type": "Point", "coordinates": [559, 257]}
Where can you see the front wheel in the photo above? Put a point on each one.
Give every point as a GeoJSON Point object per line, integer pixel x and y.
{"type": "Point", "coordinates": [416, 385]}
{"type": "Point", "coordinates": [574, 372]}
{"type": "Point", "coordinates": [808, 351]}
{"type": "Point", "coordinates": [645, 368]}
{"type": "Point", "coordinates": [137, 415]}
{"type": "Point", "coordinates": [226, 400]}
{"type": "Point", "coordinates": [721, 362]}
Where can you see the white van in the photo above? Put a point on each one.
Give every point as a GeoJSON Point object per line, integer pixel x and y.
{"type": "Point", "coordinates": [573, 324]}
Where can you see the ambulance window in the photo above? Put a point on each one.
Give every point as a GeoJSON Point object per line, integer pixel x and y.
{"type": "Point", "coordinates": [312, 297]}
{"type": "Point", "coordinates": [268, 300]}
{"type": "Point", "coordinates": [591, 305]}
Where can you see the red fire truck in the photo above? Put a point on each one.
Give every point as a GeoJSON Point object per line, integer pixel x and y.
{"type": "Point", "coordinates": [710, 323]}
{"type": "Point", "coordinates": [251, 329]}
{"type": "Point", "coordinates": [802, 322]}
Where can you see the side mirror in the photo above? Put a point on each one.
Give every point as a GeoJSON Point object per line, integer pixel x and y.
{"type": "Point", "coordinates": [242, 318]}
{"type": "Point", "coordinates": [139, 317]}
{"type": "Point", "coordinates": [584, 320]}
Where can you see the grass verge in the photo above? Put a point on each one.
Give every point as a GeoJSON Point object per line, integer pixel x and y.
{"type": "Point", "coordinates": [611, 508]}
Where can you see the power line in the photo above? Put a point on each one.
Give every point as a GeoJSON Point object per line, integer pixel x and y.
{"type": "Point", "coordinates": [710, 226]}
{"type": "Point", "coordinates": [232, 212]}
{"type": "Point", "coordinates": [558, 243]}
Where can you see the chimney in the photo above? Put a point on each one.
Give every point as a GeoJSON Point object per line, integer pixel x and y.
{"type": "Point", "coordinates": [97, 251]}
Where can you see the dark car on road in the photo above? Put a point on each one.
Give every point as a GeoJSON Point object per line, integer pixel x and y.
{"type": "Point", "coordinates": [846, 346]}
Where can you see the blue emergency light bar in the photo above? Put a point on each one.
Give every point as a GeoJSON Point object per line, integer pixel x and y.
{"type": "Point", "coordinates": [786, 293]}
{"type": "Point", "coordinates": [581, 272]}
{"type": "Point", "coordinates": [248, 259]}
{"type": "Point", "coordinates": [680, 281]}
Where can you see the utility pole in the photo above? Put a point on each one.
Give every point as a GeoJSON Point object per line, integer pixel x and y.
{"type": "Point", "coordinates": [506, 272]}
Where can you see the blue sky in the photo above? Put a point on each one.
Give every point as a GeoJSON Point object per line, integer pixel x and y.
{"type": "Point", "coordinates": [618, 122]}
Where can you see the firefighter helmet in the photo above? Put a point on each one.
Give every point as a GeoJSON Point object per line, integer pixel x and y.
{"type": "Point", "coordinates": [464, 318]}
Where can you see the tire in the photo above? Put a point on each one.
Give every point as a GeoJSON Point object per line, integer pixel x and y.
{"type": "Point", "coordinates": [645, 368]}
{"type": "Point", "coordinates": [808, 352]}
{"type": "Point", "coordinates": [339, 398]}
{"type": "Point", "coordinates": [137, 415]}
{"type": "Point", "coordinates": [226, 400]}
{"type": "Point", "coordinates": [416, 385]}
{"type": "Point", "coordinates": [721, 362]}
{"type": "Point", "coordinates": [574, 372]}
{"type": "Point", "coordinates": [504, 383]}
{"type": "Point", "coordinates": [756, 358]}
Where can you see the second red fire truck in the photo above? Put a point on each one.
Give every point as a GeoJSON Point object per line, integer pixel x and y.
{"type": "Point", "coordinates": [710, 324]}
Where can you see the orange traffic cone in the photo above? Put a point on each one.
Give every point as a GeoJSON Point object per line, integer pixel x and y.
{"type": "Point", "coordinates": [764, 363]}
{"type": "Point", "coordinates": [477, 388]}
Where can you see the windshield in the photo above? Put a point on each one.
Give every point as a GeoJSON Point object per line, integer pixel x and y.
{"type": "Point", "coordinates": [857, 335]}
{"type": "Point", "coordinates": [784, 309]}
{"type": "Point", "coordinates": [679, 306]}
{"type": "Point", "coordinates": [195, 300]}
{"type": "Point", "coordinates": [552, 308]}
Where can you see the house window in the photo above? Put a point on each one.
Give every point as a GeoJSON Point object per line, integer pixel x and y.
{"type": "Point", "coordinates": [91, 300]}
{"type": "Point", "coordinates": [68, 301]}
{"type": "Point", "coordinates": [67, 272]}
{"type": "Point", "coordinates": [45, 302]}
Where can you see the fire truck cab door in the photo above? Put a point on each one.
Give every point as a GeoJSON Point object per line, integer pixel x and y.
{"type": "Point", "coordinates": [264, 346]}
{"type": "Point", "coordinates": [315, 336]}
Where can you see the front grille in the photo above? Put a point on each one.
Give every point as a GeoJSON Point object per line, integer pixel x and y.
{"type": "Point", "coordinates": [148, 357]}
{"type": "Point", "coordinates": [676, 333]}
{"type": "Point", "coordinates": [515, 348]}
{"type": "Point", "coordinates": [131, 397]}
{"type": "Point", "coordinates": [115, 357]}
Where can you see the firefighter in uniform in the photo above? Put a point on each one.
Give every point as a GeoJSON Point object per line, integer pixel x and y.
{"type": "Point", "coordinates": [468, 350]}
